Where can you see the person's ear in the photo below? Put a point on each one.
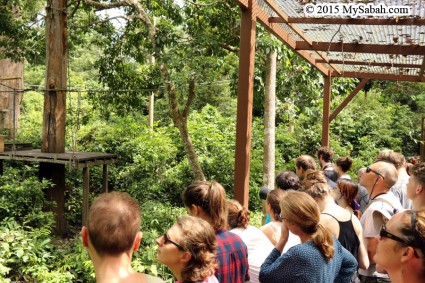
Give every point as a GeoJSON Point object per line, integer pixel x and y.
{"type": "Point", "coordinates": [186, 256]}
{"type": "Point", "coordinates": [196, 210]}
{"type": "Point", "coordinates": [137, 241]}
{"type": "Point", "coordinates": [419, 189]}
{"type": "Point", "coordinates": [85, 236]}
{"type": "Point", "coordinates": [408, 254]}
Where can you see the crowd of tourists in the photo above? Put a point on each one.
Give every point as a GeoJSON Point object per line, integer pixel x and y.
{"type": "Point", "coordinates": [322, 227]}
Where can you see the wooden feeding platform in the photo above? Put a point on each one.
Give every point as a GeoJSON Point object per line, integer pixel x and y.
{"type": "Point", "coordinates": [80, 160]}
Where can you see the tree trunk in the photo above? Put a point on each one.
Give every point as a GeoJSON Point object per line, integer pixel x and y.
{"type": "Point", "coordinates": [53, 136]}
{"type": "Point", "coordinates": [180, 122]}
{"type": "Point", "coordinates": [269, 121]}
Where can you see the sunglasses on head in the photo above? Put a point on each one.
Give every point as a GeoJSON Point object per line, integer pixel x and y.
{"type": "Point", "coordinates": [368, 170]}
{"type": "Point", "coordinates": [168, 240]}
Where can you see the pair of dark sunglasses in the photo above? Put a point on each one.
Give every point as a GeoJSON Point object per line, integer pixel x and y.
{"type": "Point", "coordinates": [168, 240]}
{"type": "Point", "coordinates": [368, 170]}
{"type": "Point", "coordinates": [383, 233]}
{"type": "Point", "coordinates": [417, 242]}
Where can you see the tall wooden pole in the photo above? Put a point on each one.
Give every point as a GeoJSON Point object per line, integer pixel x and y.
{"type": "Point", "coordinates": [53, 136]}
{"type": "Point", "coordinates": [244, 106]}
{"type": "Point", "coordinates": [326, 111]}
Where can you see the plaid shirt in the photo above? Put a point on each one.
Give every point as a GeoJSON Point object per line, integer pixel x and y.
{"type": "Point", "coordinates": [232, 256]}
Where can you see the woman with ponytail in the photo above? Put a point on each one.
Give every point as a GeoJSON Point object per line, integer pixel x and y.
{"type": "Point", "coordinates": [320, 258]}
{"type": "Point", "coordinates": [207, 200]}
{"type": "Point", "coordinates": [259, 246]}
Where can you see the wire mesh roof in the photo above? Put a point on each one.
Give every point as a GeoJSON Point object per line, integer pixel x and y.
{"type": "Point", "coordinates": [379, 40]}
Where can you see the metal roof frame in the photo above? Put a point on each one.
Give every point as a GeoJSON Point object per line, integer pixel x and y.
{"type": "Point", "coordinates": [384, 47]}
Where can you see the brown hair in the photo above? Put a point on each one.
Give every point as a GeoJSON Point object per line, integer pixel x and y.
{"type": "Point", "coordinates": [238, 216]}
{"type": "Point", "coordinates": [273, 198]}
{"type": "Point", "coordinates": [198, 238]}
{"type": "Point", "coordinates": [302, 209]}
{"type": "Point", "coordinates": [414, 235]}
{"type": "Point", "coordinates": [418, 171]}
{"type": "Point", "coordinates": [349, 191]}
{"type": "Point", "coordinates": [326, 153]}
{"type": "Point", "coordinates": [211, 197]}
{"type": "Point", "coordinates": [388, 155]}
{"type": "Point", "coordinates": [344, 163]}
{"type": "Point", "coordinates": [318, 190]}
{"type": "Point", "coordinates": [113, 223]}
{"type": "Point", "coordinates": [313, 177]}
{"type": "Point", "coordinates": [288, 180]}
{"type": "Point", "coordinates": [305, 162]}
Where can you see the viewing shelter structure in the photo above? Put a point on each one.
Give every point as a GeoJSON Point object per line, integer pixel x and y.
{"type": "Point", "coordinates": [383, 47]}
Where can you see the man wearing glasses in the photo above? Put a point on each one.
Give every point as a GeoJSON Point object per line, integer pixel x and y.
{"type": "Point", "coordinates": [378, 178]}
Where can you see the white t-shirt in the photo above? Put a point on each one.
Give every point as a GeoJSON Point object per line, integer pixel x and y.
{"type": "Point", "coordinates": [379, 211]}
{"type": "Point", "coordinates": [259, 247]}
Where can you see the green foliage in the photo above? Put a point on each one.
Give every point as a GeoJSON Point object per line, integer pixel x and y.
{"type": "Point", "coordinates": [23, 200]}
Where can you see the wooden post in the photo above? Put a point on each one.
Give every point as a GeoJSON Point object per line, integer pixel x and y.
{"type": "Point", "coordinates": [105, 178]}
{"type": "Point", "coordinates": [326, 110]}
{"type": "Point", "coordinates": [245, 100]}
{"type": "Point", "coordinates": [53, 135]}
{"type": "Point", "coordinates": [86, 192]}
{"type": "Point", "coordinates": [421, 145]}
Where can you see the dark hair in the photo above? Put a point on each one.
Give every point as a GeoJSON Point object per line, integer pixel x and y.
{"type": "Point", "coordinates": [211, 197]}
{"type": "Point", "coordinates": [288, 180]}
{"type": "Point", "coordinates": [344, 163]}
{"type": "Point", "coordinates": [274, 198]}
{"type": "Point", "coordinates": [326, 153]}
{"type": "Point", "coordinates": [238, 216]}
{"type": "Point", "coordinates": [113, 223]}
{"type": "Point", "coordinates": [305, 162]}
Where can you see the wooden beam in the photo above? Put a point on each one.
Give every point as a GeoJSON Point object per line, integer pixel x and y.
{"type": "Point", "coordinates": [350, 21]}
{"type": "Point", "coordinates": [364, 63]}
{"type": "Point", "coordinates": [243, 4]}
{"type": "Point", "coordinates": [421, 72]}
{"type": "Point", "coordinates": [86, 194]}
{"type": "Point", "coordinates": [326, 110]}
{"type": "Point", "coordinates": [105, 178]}
{"type": "Point", "coordinates": [361, 48]}
{"type": "Point", "coordinates": [348, 99]}
{"type": "Point", "coordinates": [286, 38]}
{"type": "Point", "coordinates": [295, 28]}
{"type": "Point", "coordinates": [244, 104]}
{"type": "Point", "coordinates": [379, 76]}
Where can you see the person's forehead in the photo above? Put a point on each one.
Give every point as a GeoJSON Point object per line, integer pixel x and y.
{"type": "Point", "coordinates": [395, 221]}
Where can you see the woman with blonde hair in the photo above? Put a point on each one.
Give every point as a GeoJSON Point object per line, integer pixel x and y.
{"type": "Point", "coordinates": [259, 247]}
{"type": "Point", "coordinates": [188, 249]}
{"type": "Point", "coordinates": [319, 258]}
{"type": "Point", "coordinates": [207, 200]}
{"type": "Point", "coordinates": [401, 247]}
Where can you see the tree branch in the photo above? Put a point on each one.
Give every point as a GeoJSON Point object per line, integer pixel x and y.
{"type": "Point", "coordinates": [190, 98]}
{"type": "Point", "coordinates": [141, 13]}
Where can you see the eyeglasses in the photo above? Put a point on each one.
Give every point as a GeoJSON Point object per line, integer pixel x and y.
{"type": "Point", "coordinates": [383, 233]}
{"type": "Point", "coordinates": [368, 170]}
{"type": "Point", "coordinates": [168, 240]}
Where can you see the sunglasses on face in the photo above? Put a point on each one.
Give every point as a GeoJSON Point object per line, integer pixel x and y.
{"type": "Point", "coordinates": [383, 233]}
{"type": "Point", "coordinates": [368, 170]}
{"type": "Point", "coordinates": [168, 240]}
